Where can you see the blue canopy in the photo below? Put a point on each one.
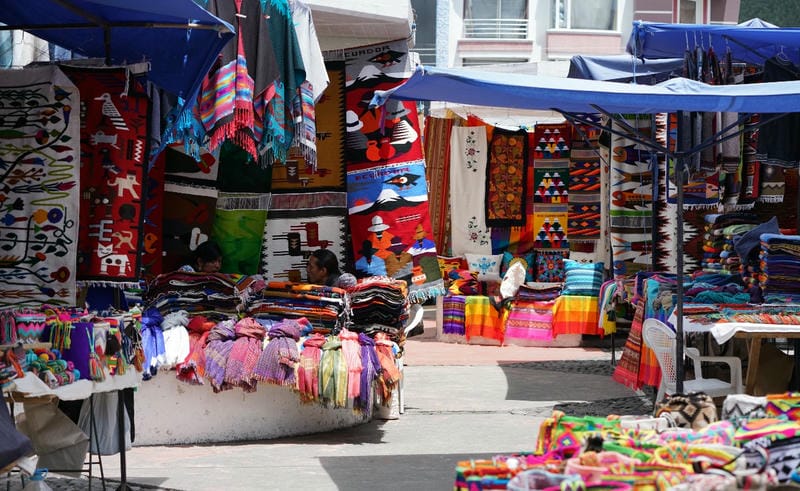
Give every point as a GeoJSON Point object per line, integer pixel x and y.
{"type": "Point", "coordinates": [587, 96]}
{"type": "Point", "coordinates": [178, 38]}
{"type": "Point", "coordinates": [748, 42]}
{"type": "Point", "coordinates": [624, 68]}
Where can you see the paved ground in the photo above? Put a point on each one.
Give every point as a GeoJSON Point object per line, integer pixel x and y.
{"type": "Point", "coordinates": [461, 402]}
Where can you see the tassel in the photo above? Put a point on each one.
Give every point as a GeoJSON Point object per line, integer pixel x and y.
{"type": "Point", "coordinates": [95, 370]}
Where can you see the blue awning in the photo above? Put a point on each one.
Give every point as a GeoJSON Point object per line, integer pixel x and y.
{"type": "Point", "coordinates": [178, 38]}
{"type": "Point", "coordinates": [624, 68]}
{"type": "Point", "coordinates": [748, 42]}
{"type": "Point", "coordinates": [586, 96]}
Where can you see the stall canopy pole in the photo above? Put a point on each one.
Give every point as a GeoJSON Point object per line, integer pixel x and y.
{"type": "Point", "coordinates": [680, 164]}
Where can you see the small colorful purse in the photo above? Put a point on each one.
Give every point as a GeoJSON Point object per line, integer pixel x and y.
{"type": "Point", "coordinates": [695, 410]}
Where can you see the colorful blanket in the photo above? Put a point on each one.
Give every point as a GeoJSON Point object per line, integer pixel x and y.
{"type": "Point", "coordinates": [114, 145]}
{"type": "Point", "coordinates": [239, 229]}
{"type": "Point", "coordinates": [299, 174]}
{"type": "Point", "coordinates": [551, 141]}
{"type": "Point", "coordinates": [482, 319]}
{"type": "Point", "coordinates": [575, 315]}
{"type": "Point", "coordinates": [40, 148]}
{"type": "Point", "coordinates": [506, 179]}
{"type": "Point", "coordinates": [584, 190]}
{"type": "Point", "coordinates": [530, 320]}
{"type": "Point", "coordinates": [298, 224]}
{"type": "Point", "coordinates": [388, 134]}
{"type": "Point", "coordinates": [551, 181]}
{"type": "Point", "coordinates": [390, 226]}
{"type": "Point", "coordinates": [453, 314]}
{"type": "Point", "coordinates": [468, 149]}
{"type": "Point", "coordinates": [549, 227]}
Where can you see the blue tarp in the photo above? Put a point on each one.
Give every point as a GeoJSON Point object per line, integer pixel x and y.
{"type": "Point", "coordinates": [585, 96]}
{"type": "Point", "coordinates": [156, 31]}
{"type": "Point", "coordinates": [624, 68]}
{"type": "Point", "coordinates": [749, 42]}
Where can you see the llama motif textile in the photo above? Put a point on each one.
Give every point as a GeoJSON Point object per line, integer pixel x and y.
{"type": "Point", "coordinates": [39, 150]}
{"type": "Point", "coordinates": [469, 232]}
{"type": "Point", "coordinates": [388, 134]}
{"type": "Point", "coordinates": [298, 224]}
{"type": "Point", "coordinates": [390, 227]}
{"type": "Point", "coordinates": [114, 136]}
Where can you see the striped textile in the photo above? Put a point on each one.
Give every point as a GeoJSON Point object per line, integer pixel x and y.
{"type": "Point", "coordinates": [576, 315]}
{"type": "Point", "coordinates": [454, 316]}
{"type": "Point", "coordinates": [530, 320]}
{"type": "Point", "coordinates": [333, 374]}
{"type": "Point", "coordinates": [437, 169]}
{"type": "Point", "coordinates": [482, 319]}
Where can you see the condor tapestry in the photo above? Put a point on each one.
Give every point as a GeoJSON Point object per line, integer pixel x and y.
{"type": "Point", "coordinates": [39, 138]}
{"type": "Point", "coordinates": [114, 138]}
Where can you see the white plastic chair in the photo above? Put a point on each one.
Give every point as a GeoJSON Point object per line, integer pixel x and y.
{"type": "Point", "coordinates": [661, 339]}
{"type": "Point", "coordinates": [415, 315]}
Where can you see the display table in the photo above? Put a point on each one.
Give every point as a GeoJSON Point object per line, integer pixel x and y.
{"type": "Point", "coordinates": [754, 333]}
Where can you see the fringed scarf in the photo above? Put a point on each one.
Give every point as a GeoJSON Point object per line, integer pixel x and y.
{"type": "Point", "coordinates": [244, 354]}
{"type": "Point", "coordinates": [390, 375]}
{"type": "Point", "coordinates": [371, 368]}
{"type": "Point", "coordinates": [333, 374]}
{"type": "Point", "coordinates": [193, 368]}
{"type": "Point", "coordinates": [308, 371]}
{"type": "Point", "coordinates": [351, 350]}
{"type": "Point", "coordinates": [220, 343]}
{"type": "Point", "coordinates": [305, 126]}
{"type": "Point", "coordinates": [280, 357]}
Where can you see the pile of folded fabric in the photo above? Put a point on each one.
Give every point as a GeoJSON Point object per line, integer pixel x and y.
{"type": "Point", "coordinates": [780, 263]}
{"type": "Point", "coordinates": [531, 313]}
{"type": "Point", "coordinates": [193, 292]}
{"type": "Point", "coordinates": [379, 304]}
{"type": "Point", "coordinates": [722, 232]}
{"type": "Point", "coordinates": [323, 306]}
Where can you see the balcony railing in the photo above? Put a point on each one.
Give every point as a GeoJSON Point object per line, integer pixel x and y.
{"type": "Point", "coordinates": [427, 55]}
{"type": "Point", "coordinates": [496, 28]}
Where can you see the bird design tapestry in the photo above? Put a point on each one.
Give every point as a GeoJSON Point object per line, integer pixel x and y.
{"type": "Point", "coordinates": [39, 159]}
{"type": "Point", "coordinates": [114, 136]}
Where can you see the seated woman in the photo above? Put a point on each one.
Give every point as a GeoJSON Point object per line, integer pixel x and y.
{"type": "Point", "coordinates": [207, 258]}
{"type": "Point", "coordinates": [323, 269]}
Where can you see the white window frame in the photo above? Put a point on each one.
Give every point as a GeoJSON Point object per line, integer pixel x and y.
{"type": "Point", "coordinates": [555, 4]}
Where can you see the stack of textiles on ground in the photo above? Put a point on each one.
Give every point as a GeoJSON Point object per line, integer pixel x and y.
{"type": "Point", "coordinates": [721, 233]}
{"type": "Point", "coordinates": [379, 304]}
{"type": "Point", "coordinates": [193, 292]}
{"type": "Point", "coordinates": [780, 263]}
{"type": "Point", "coordinates": [531, 313]}
{"type": "Point", "coordinates": [755, 445]}
{"type": "Point", "coordinates": [755, 314]}
{"type": "Point", "coordinates": [324, 307]}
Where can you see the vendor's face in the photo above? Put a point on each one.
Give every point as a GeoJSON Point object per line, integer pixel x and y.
{"type": "Point", "coordinates": [316, 274]}
{"type": "Point", "coordinates": [210, 266]}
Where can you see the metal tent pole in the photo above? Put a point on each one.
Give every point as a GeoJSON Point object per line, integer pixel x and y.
{"type": "Point", "coordinates": [680, 163]}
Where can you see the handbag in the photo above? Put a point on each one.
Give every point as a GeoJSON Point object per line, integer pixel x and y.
{"type": "Point", "coordinates": [561, 430]}
{"type": "Point", "coordinates": [695, 410]}
{"type": "Point", "coordinates": [786, 405]}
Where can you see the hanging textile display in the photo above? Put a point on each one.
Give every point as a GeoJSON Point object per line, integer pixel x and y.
{"type": "Point", "coordinates": [152, 240]}
{"type": "Point", "coordinates": [550, 181]}
{"type": "Point", "coordinates": [235, 93]}
{"type": "Point", "coordinates": [469, 232]}
{"type": "Point", "coordinates": [40, 196]}
{"type": "Point", "coordinates": [388, 134]}
{"type": "Point", "coordinates": [549, 227]}
{"type": "Point", "coordinates": [188, 222]}
{"type": "Point", "coordinates": [182, 168]}
{"type": "Point", "coordinates": [387, 194]}
{"type": "Point", "coordinates": [327, 173]}
{"type": "Point", "coordinates": [239, 228]}
{"type": "Point", "coordinates": [631, 189]}
{"type": "Point", "coordinates": [389, 225]}
{"type": "Point", "coordinates": [114, 138]}
{"type": "Point", "coordinates": [702, 189]}
{"type": "Point", "coordinates": [437, 169]}
{"type": "Point", "coordinates": [297, 224]}
{"type": "Point", "coordinates": [551, 141]}
{"type": "Point", "coordinates": [506, 171]}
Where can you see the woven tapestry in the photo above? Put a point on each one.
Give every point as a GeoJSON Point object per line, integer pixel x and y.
{"type": "Point", "coordinates": [551, 181]}
{"type": "Point", "coordinates": [390, 226]}
{"type": "Point", "coordinates": [551, 141]}
{"type": "Point", "coordinates": [297, 174]}
{"type": "Point", "coordinates": [506, 178]}
{"type": "Point", "coordinates": [584, 190]}
{"type": "Point", "coordinates": [469, 232]}
{"type": "Point", "coordinates": [631, 190]}
{"type": "Point", "coordinates": [188, 221]}
{"type": "Point", "coordinates": [549, 227]}
{"type": "Point", "coordinates": [298, 224]}
{"type": "Point", "coordinates": [387, 134]}
{"type": "Point", "coordinates": [238, 229]}
{"type": "Point", "coordinates": [40, 149]}
{"type": "Point", "coordinates": [114, 147]}
{"type": "Point", "coordinates": [437, 169]}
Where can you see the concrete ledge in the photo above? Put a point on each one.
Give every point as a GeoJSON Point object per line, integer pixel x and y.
{"type": "Point", "coordinates": [171, 412]}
